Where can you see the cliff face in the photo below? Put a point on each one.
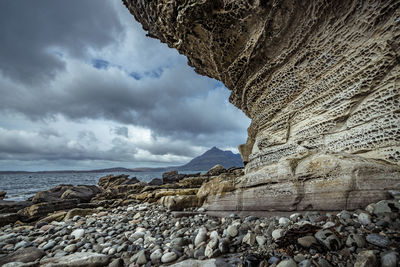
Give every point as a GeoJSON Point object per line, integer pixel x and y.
{"type": "Point", "coordinates": [320, 81]}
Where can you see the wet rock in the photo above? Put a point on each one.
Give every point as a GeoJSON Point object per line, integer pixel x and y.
{"type": "Point", "coordinates": [42, 209]}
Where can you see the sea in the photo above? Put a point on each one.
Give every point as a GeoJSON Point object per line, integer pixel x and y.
{"type": "Point", "coordinates": [21, 186]}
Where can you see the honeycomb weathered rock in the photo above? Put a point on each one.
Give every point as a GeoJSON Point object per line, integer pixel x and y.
{"type": "Point", "coordinates": [320, 81]}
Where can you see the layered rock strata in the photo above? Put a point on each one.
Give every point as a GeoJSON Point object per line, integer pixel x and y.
{"type": "Point", "coordinates": [320, 81]}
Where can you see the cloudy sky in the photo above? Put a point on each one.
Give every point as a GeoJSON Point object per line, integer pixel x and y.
{"type": "Point", "coordinates": [82, 87]}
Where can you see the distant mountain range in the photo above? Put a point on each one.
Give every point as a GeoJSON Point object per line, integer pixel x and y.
{"type": "Point", "coordinates": [203, 162]}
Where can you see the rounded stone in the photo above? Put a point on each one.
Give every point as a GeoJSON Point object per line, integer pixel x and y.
{"type": "Point", "coordinates": [232, 230]}
{"type": "Point", "coordinates": [277, 233]}
{"type": "Point", "coordinates": [168, 257]}
{"type": "Point", "coordinates": [377, 240]}
{"type": "Point", "coordinates": [364, 218]}
{"type": "Point", "coordinates": [287, 263]}
{"type": "Point", "coordinates": [70, 248]}
{"type": "Point", "coordinates": [78, 233]}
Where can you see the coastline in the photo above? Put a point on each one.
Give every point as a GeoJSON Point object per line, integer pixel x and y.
{"type": "Point", "coordinates": [131, 223]}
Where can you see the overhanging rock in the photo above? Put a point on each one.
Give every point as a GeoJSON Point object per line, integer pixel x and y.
{"type": "Point", "coordinates": [320, 81]}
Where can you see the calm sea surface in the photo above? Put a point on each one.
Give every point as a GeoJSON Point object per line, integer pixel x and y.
{"type": "Point", "coordinates": [23, 186]}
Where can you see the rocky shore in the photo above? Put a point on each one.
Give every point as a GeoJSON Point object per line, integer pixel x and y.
{"type": "Point", "coordinates": [126, 222]}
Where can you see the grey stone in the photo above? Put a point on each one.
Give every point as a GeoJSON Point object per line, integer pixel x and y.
{"type": "Point", "coordinates": [355, 240]}
{"type": "Point", "coordinates": [364, 218]}
{"type": "Point", "coordinates": [378, 240]}
{"type": "Point", "coordinates": [70, 248]}
{"type": "Point", "coordinates": [141, 257]}
{"type": "Point", "coordinates": [304, 263]}
{"type": "Point", "coordinates": [307, 241]}
{"type": "Point", "coordinates": [389, 259]}
{"type": "Point", "coordinates": [23, 255]}
{"type": "Point", "coordinates": [329, 239]}
{"type": "Point", "coordinates": [77, 259]}
{"type": "Point", "coordinates": [287, 263]}
{"type": "Point", "coordinates": [201, 236]}
{"type": "Point", "coordinates": [156, 256]}
{"type": "Point", "coordinates": [168, 257]}
{"type": "Point", "coordinates": [365, 258]}
{"type": "Point", "coordinates": [232, 230]}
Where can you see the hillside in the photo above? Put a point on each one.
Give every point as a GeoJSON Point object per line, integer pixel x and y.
{"type": "Point", "coordinates": [212, 157]}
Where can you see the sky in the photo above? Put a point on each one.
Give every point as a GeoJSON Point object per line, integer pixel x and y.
{"type": "Point", "coordinates": [82, 87]}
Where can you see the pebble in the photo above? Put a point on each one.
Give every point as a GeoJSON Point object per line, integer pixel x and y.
{"type": "Point", "coordinates": [307, 241]}
{"type": "Point", "coordinates": [389, 259]}
{"type": "Point", "coordinates": [78, 233]}
{"type": "Point", "coordinates": [168, 257]}
{"type": "Point", "coordinates": [287, 263]}
{"type": "Point", "coordinates": [261, 240]}
{"type": "Point", "coordinates": [364, 218]}
{"type": "Point", "coordinates": [70, 248]}
{"type": "Point", "coordinates": [156, 255]}
{"type": "Point", "coordinates": [232, 230]}
{"type": "Point", "coordinates": [377, 240]}
{"type": "Point", "coordinates": [201, 236]}
{"type": "Point", "coordinates": [277, 233]}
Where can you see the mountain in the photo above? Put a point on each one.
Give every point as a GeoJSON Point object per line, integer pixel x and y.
{"type": "Point", "coordinates": [211, 158]}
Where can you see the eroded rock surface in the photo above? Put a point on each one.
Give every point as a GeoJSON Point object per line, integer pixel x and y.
{"type": "Point", "coordinates": [320, 81]}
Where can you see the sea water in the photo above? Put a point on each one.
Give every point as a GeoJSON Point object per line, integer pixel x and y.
{"type": "Point", "coordinates": [21, 186]}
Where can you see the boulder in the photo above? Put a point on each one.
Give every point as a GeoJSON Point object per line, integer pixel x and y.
{"type": "Point", "coordinates": [156, 181]}
{"type": "Point", "coordinates": [171, 177]}
{"type": "Point", "coordinates": [3, 195]}
{"type": "Point", "coordinates": [42, 209]}
{"type": "Point", "coordinates": [215, 171]}
{"type": "Point", "coordinates": [82, 192]}
{"type": "Point", "coordinates": [52, 194]}
{"type": "Point", "coordinates": [78, 259]}
{"type": "Point", "coordinates": [7, 218]}
{"type": "Point", "coordinates": [7, 206]}
{"type": "Point", "coordinates": [29, 254]}
{"type": "Point", "coordinates": [319, 81]}
{"type": "Point", "coordinates": [112, 181]}
{"type": "Point", "coordinates": [179, 203]}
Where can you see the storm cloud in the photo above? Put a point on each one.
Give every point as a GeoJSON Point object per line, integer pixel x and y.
{"type": "Point", "coordinates": [81, 83]}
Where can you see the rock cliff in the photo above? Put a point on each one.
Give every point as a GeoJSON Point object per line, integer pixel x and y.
{"type": "Point", "coordinates": [320, 81]}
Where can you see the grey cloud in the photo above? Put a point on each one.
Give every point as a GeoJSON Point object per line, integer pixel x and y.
{"type": "Point", "coordinates": [30, 30]}
{"type": "Point", "coordinates": [122, 131]}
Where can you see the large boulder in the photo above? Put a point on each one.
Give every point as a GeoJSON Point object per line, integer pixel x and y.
{"type": "Point", "coordinates": [172, 177]}
{"type": "Point", "coordinates": [52, 194]}
{"type": "Point", "coordinates": [179, 203]}
{"type": "Point", "coordinates": [215, 171]}
{"type": "Point", "coordinates": [112, 181]}
{"type": "Point", "coordinates": [82, 192]}
{"type": "Point", "coordinates": [7, 218]}
{"type": "Point", "coordinates": [319, 80]}
{"type": "Point", "coordinates": [36, 211]}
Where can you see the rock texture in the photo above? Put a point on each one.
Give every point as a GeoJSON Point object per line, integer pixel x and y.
{"type": "Point", "coordinates": [320, 81]}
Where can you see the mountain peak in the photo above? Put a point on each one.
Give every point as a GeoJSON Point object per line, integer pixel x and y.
{"type": "Point", "coordinates": [212, 157]}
